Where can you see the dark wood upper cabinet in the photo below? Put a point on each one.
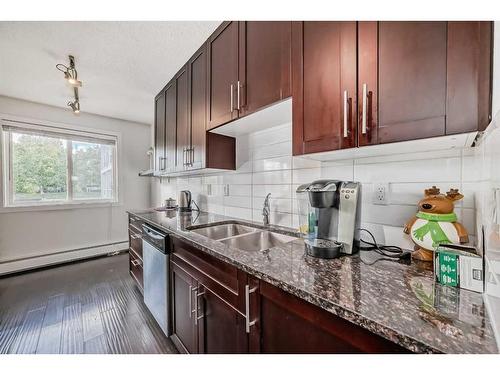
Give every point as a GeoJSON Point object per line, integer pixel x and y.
{"type": "Point", "coordinates": [353, 84]}
{"type": "Point", "coordinates": [422, 79]}
{"type": "Point", "coordinates": [186, 144]}
{"type": "Point", "coordinates": [170, 126]}
{"type": "Point", "coordinates": [264, 63]}
{"type": "Point", "coordinates": [197, 70]}
{"type": "Point", "coordinates": [183, 137]}
{"type": "Point", "coordinates": [324, 86]}
{"type": "Point", "coordinates": [468, 105]}
{"type": "Point", "coordinates": [222, 74]}
{"type": "Point", "coordinates": [411, 91]}
{"type": "Point", "coordinates": [159, 130]}
{"type": "Point", "coordinates": [414, 80]}
{"type": "Point", "coordinates": [248, 68]}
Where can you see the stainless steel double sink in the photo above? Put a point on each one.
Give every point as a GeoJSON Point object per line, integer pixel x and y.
{"type": "Point", "coordinates": [244, 237]}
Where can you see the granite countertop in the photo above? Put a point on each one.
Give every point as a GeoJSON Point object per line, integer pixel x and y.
{"type": "Point", "coordinates": [394, 299]}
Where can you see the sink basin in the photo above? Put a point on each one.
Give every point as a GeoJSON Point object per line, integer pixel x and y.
{"type": "Point", "coordinates": [218, 232]}
{"type": "Point", "coordinates": [258, 241]}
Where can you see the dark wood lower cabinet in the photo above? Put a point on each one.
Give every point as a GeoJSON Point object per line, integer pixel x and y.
{"type": "Point", "coordinates": [135, 250]}
{"type": "Point", "coordinates": [221, 328]}
{"type": "Point", "coordinates": [220, 309]}
{"type": "Point", "coordinates": [182, 292]}
{"type": "Point", "coordinates": [288, 324]}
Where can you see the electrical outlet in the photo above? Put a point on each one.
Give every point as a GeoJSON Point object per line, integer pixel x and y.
{"type": "Point", "coordinates": [380, 193]}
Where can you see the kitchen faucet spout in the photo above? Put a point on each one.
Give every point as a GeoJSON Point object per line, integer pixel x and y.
{"type": "Point", "coordinates": [266, 210]}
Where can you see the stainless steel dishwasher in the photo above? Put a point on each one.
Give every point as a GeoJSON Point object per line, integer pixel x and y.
{"type": "Point", "coordinates": [156, 259]}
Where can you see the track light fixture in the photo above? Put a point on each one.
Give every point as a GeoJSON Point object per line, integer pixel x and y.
{"type": "Point", "coordinates": [71, 75]}
{"type": "Point", "coordinates": [70, 72]}
{"type": "Point", "coordinates": [75, 104]}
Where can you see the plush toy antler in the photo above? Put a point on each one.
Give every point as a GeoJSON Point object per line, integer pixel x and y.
{"type": "Point", "coordinates": [432, 191]}
{"type": "Point", "coordinates": [454, 195]}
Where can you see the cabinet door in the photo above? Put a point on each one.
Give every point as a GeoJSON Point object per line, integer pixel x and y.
{"type": "Point", "coordinates": [182, 120]}
{"type": "Point", "coordinates": [288, 324]}
{"type": "Point", "coordinates": [170, 126]}
{"type": "Point", "coordinates": [468, 106]}
{"type": "Point", "coordinates": [324, 86]}
{"type": "Point", "coordinates": [407, 80]}
{"type": "Point", "coordinates": [265, 63]}
{"type": "Point", "coordinates": [222, 74]}
{"type": "Point", "coordinates": [160, 132]}
{"type": "Point", "coordinates": [197, 69]}
{"type": "Point", "coordinates": [183, 291]}
{"type": "Point", "coordinates": [221, 328]}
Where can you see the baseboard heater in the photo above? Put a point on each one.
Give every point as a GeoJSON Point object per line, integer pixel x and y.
{"type": "Point", "coordinates": [37, 261]}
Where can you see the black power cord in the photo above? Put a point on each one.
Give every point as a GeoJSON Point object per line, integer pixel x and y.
{"type": "Point", "coordinates": [390, 251]}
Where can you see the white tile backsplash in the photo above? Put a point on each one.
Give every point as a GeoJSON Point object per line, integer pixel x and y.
{"type": "Point", "coordinates": [273, 177]}
{"type": "Point", "coordinates": [266, 165]}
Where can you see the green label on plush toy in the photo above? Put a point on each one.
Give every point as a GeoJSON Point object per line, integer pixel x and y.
{"type": "Point", "coordinates": [448, 269]}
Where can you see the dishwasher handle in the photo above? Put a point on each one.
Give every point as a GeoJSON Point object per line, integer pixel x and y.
{"type": "Point", "coordinates": [155, 238]}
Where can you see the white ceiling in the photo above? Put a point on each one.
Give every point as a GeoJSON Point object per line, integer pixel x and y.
{"type": "Point", "coordinates": [123, 65]}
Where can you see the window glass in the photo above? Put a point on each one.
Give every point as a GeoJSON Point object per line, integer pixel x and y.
{"type": "Point", "coordinates": [49, 165]}
{"type": "Point", "coordinates": [92, 170]}
{"type": "Point", "coordinates": [39, 168]}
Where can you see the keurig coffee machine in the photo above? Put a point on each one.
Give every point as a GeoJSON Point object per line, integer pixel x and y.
{"type": "Point", "coordinates": [329, 213]}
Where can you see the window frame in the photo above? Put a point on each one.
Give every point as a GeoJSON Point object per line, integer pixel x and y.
{"type": "Point", "coordinates": [7, 188]}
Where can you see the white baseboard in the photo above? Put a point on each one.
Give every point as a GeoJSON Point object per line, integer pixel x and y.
{"type": "Point", "coordinates": [62, 257]}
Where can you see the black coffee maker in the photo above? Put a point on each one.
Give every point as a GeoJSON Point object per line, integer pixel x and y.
{"type": "Point", "coordinates": [330, 212]}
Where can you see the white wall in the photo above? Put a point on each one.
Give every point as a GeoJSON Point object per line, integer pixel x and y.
{"type": "Point", "coordinates": [488, 201]}
{"type": "Point", "coordinates": [496, 68]}
{"type": "Point", "coordinates": [39, 233]}
{"type": "Point", "coordinates": [266, 165]}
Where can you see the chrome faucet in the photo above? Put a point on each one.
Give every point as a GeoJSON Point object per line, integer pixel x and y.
{"type": "Point", "coordinates": [266, 210]}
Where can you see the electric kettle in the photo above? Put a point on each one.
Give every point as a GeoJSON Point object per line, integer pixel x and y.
{"type": "Point", "coordinates": [184, 200]}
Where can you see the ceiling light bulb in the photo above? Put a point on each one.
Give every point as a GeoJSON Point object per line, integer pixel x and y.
{"type": "Point", "coordinates": [74, 82]}
{"type": "Point", "coordinates": [75, 106]}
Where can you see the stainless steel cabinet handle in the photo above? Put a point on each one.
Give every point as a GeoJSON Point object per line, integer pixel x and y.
{"type": "Point", "coordinates": [162, 163]}
{"type": "Point", "coordinates": [248, 323]}
{"type": "Point", "coordinates": [231, 89]}
{"type": "Point", "coordinates": [187, 156]}
{"type": "Point", "coordinates": [135, 236]}
{"type": "Point", "coordinates": [238, 105]}
{"type": "Point", "coordinates": [345, 113]}
{"type": "Point", "coordinates": [136, 262]}
{"type": "Point", "coordinates": [196, 317]}
{"type": "Point", "coordinates": [365, 99]}
{"type": "Point", "coordinates": [184, 156]}
{"type": "Point", "coordinates": [191, 290]}
{"type": "Point", "coordinates": [191, 160]}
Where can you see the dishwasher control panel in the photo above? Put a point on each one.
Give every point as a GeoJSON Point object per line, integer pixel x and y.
{"type": "Point", "coordinates": [156, 238]}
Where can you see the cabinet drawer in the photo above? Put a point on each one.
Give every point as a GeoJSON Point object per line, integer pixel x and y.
{"type": "Point", "coordinates": [135, 224]}
{"type": "Point", "coordinates": [221, 278]}
{"type": "Point", "coordinates": [135, 243]}
{"type": "Point", "coordinates": [135, 268]}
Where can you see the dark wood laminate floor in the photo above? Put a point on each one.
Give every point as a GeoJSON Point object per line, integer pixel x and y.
{"type": "Point", "coordinates": [87, 307]}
